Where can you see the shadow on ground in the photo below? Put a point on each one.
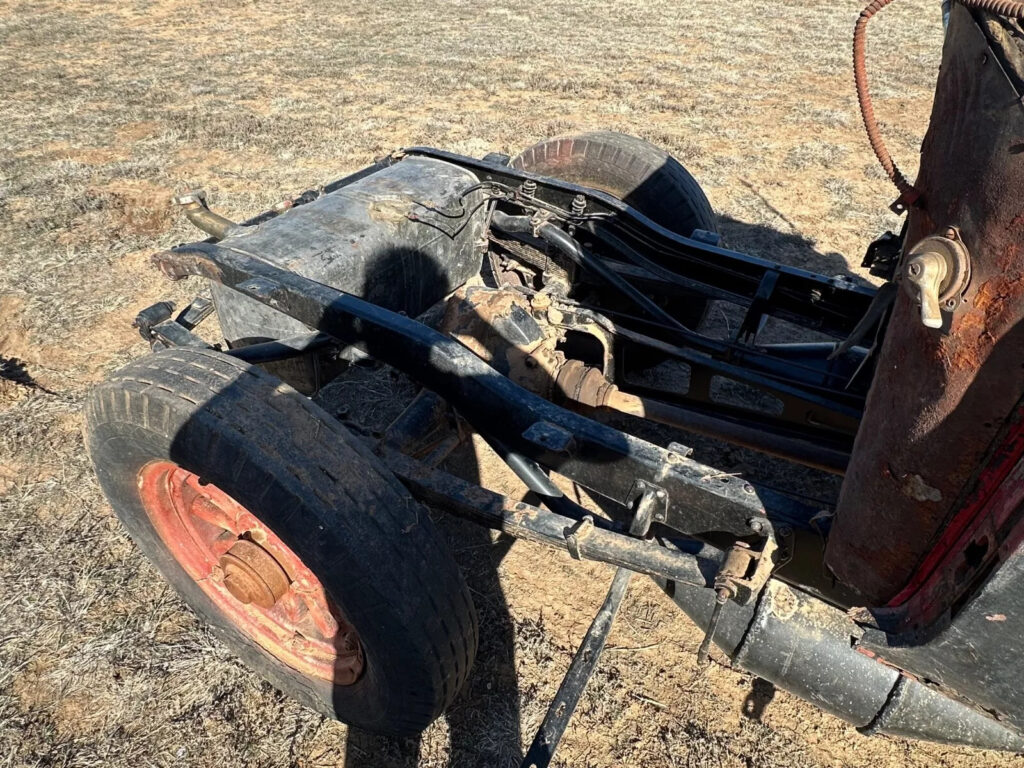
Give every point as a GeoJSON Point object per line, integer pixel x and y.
{"type": "Point", "coordinates": [12, 369]}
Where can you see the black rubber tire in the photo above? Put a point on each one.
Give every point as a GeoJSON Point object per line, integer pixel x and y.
{"type": "Point", "coordinates": [329, 499]}
{"type": "Point", "coordinates": [633, 170]}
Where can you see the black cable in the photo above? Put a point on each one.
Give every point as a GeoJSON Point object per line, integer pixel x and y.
{"type": "Point", "coordinates": [534, 203]}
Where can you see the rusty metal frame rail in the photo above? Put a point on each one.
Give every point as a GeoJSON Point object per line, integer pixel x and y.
{"type": "Point", "coordinates": [600, 458]}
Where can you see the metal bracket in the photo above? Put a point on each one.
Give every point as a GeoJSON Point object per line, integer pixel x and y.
{"type": "Point", "coordinates": [424, 430]}
{"type": "Point", "coordinates": [156, 326]}
{"type": "Point", "coordinates": [171, 334]}
{"type": "Point", "coordinates": [753, 319]}
{"type": "Point", "coordinates": [742, 575]}
{"type": "Point", "coordinates": [152, 315]}
{"type": "Point", "coordinates": [648, 495]}
{"type": "Point", "coordinates": [550, 437]}
{"type": "Point", "coordinates": [198, 310]}
{"type": "Point", "coordinates": [577, 532]}
{"type": "Point", "coordinates": [883, 255]}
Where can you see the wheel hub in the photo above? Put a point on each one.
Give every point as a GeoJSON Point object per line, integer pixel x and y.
{"type": "Point", "coordinates": [252, 575]}
{"type": "Point", "coordinates": [256, 581]}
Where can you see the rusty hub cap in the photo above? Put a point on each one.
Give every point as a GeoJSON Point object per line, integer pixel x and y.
{"type": "Point", "coordinates": [251, 576]}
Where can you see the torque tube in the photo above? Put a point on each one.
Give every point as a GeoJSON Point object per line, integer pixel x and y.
{"type": "Point", "coordinates": [805, 646]}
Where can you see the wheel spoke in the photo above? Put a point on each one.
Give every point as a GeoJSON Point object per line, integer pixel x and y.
{"type": "Point", "coordinates": [204, 509]}
{"type": "Point", "coordinates": [291, 609]}
{"type": "Point", "coordinates": [221, 544]}
{"type": "Point", "coordinates": [320, 613]}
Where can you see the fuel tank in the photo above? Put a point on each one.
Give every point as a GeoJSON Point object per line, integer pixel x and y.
{"type": "Point", "coordinates": [402, 237]}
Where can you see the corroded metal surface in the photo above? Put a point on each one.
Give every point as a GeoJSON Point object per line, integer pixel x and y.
{"type": "Point", "coordinates": [499, 326]}
{"type": "Point", "coordinates": [252, 577]}
{"type": "Point", "coordinates": [524, 521]}
{"type": "Point", "coordinates": [941, 397]}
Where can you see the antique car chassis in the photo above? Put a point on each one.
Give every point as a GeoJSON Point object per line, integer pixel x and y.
{"type": "Point", "coordinates": [905, 622]}
{"type": "Point", "coordinates": [604, 460]}
{"type": "Point", "coordinates": [693, 503]}
{"type": "Point", "coordinates": [721, 535]}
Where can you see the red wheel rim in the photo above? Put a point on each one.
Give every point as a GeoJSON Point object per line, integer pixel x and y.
{"type": "Point", "coordinates": [249, 574]}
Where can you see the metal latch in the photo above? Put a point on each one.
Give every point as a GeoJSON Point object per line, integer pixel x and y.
{"type": "Point", "coordinates": [937, 272]}
{"type": "Point", "coordinates": [741, 577]}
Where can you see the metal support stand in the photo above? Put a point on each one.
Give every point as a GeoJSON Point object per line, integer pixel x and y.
{"type": "Point", "coordinates": [542, 750]}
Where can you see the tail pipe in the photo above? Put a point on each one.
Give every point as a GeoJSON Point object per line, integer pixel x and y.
{"type": "Point", "coordinates": [805, 646]}
{"type": "Point", "coordinates": [196, 210]}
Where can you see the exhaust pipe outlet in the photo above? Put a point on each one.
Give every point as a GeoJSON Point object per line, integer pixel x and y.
{"type": "Point", "coordinates": [196, 210]}
{"type": "Point", "coordinates": [806, 647]}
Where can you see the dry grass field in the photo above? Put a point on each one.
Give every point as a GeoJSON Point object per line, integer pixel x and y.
{"type": "Point", "coordinates": [108, 108]}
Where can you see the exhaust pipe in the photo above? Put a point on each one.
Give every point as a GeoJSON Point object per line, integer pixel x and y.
{"type": "Point", "coordinates": [198, 212]}
{"type": "Point", "coordinates": [806, 647]}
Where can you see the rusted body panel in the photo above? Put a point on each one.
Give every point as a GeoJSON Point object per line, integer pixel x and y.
{"type": "Point", "coordinates": [941, 399]}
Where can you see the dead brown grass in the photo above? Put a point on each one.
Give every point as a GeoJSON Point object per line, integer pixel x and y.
{"type": "Point", "coordinates": [106, 109]}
